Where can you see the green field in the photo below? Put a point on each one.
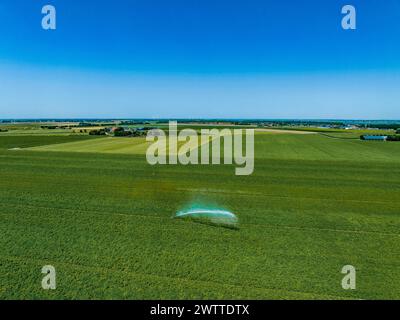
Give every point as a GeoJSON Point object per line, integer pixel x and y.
{"type": "Point", "coordinates": [126, 145]}
{"type": "Point", "coordinates": [95, 210]}
{"type": "Point", "coordinates": [103, 145]}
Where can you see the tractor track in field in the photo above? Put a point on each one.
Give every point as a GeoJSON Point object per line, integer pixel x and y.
{"type": "Point", "coordinates": [335, 137]}
{"type": "Point", "coordinates": [149, 216]}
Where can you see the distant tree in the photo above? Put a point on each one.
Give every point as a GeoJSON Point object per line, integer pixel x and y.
{"type": "Point", "coordinates": [86, 124]}
{"type": "Point", "coordinates": [393, 138]}
{"type": "Point", "coordinates": [122, 133]}
{"type": "Point", "coordinates": [139, 133]}
{"type": "Point", "coordinates": [100, 132]}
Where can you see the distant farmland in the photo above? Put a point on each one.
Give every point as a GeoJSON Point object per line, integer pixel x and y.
{"type": "Point", "coordinates": [94, 209]}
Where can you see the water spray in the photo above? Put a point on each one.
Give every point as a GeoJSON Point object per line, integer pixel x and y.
{"type": "Point", "coordinates": [216, 217]}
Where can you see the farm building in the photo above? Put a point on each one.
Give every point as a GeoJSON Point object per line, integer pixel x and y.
{"type": "Point", "coordinates": [374, 137]}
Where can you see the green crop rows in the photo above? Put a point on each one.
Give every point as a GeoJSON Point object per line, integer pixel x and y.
{"type": "Point", "coordinates": [103, 220]}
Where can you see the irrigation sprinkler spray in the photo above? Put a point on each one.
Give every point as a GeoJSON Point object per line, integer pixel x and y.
{"type": "Point", "coordinates": [216, 217]}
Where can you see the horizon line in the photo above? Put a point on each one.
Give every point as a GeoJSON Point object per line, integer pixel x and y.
{"type": "Point", "coordinates": [197, 119]}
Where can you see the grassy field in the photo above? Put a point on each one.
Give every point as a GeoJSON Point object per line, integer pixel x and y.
{"type": "Point", "coordinates": [103, 145]}
{"type": "Point", "coordinates": [96, 211]}
{"type": "Point", "coordinates": [117, 145]}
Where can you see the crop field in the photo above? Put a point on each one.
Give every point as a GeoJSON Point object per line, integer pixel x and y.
{"type": "Point", "coordinates": [137, 145]}
{"type": "Point", "coordinates": [102, 145]}
{"type": "Point", "coordinates": [95, 210]}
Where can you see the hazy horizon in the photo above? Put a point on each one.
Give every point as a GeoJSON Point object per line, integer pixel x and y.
{"type": "Point", "coordinates": [200, 119]}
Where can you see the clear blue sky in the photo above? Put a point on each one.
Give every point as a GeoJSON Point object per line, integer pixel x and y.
{"type": "Point", "coordinates": [206, 58]}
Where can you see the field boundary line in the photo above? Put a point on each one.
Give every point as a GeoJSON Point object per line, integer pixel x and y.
{"type": "Point", "coordinates": [340, 138]}
{"type": "Point", "coordinates": [244, 193]}
{"type": "Point", "coordinates": [326, 229]}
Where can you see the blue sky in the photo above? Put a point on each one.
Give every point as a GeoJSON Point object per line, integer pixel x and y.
{"type": "Point", "coordinates": [182, 59]}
